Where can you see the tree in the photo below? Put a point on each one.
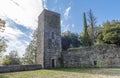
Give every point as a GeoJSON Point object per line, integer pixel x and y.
{"type": "Point", "coordinates": [6, 61]}
{"type": "Point", "coordinates": [30, 54]}
{"type": "Point", "coordinates": [110, 33]}
{"type": "Point", "coordinates": [3, 41]}
{"type": "Point", "coordinates": [75, 40]}
{"type": "Point", "coordinates": [92, 22]}
{"type": "Point", "coordinates": [99, 38]}
{"type": "Point", "coordinates": [3, 44]}
{"type": "Point", "coordinates": [70, 40]}
{"type": "Point", "coordinates": [66, 41]}
{"type": "Point", "coordinates": [2, 25]}
{"type": "Point", "coordinates": [85, 37]}
{"type": "Point", "coordinates": [12, 59]}
{"type": "Point", "coordinates": [97, 30]}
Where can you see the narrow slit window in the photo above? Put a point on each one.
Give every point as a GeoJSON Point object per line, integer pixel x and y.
{"type": "Point", "coordinates": [53, 35]}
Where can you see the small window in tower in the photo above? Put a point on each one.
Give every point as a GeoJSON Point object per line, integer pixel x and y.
{"type": "Point", "coordinates": [53, 35]}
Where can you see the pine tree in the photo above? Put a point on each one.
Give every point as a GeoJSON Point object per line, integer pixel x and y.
{"type": "Point", "coordinates": [85, 37]}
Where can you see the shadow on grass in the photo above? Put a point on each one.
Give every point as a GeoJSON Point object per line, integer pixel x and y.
{"type": "Point", "coordinates": [99, 71]}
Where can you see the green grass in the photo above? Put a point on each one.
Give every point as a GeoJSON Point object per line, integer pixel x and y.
{"type": "Point", "coordinates": [66, 73]}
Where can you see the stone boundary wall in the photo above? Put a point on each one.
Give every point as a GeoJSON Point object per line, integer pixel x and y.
{"type": "Point", "coordinates": [94, 56]}
{"type": "Point", "coordinates": [15, 68]}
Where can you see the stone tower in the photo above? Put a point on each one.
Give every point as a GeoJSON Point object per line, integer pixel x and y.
{"type": "Point", "coordinates": [49, 39]}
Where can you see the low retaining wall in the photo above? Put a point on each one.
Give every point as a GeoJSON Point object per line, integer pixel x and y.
{"type": "Point", "coordinates": [15, 68]}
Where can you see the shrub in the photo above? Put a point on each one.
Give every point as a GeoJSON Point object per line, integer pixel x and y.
{"type": "Point", "coordinates": [6, 62]}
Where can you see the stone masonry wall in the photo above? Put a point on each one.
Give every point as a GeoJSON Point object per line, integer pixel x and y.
{"type": "Point", "coordinates": [15, 68]}
{"type": "Point", "coordinates": [95, 56]}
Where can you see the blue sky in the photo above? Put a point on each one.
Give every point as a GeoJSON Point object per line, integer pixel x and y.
{"type": "Point", "coordinates": [21, 17]}
{"type": "Point", "coordinates": [103, 10]}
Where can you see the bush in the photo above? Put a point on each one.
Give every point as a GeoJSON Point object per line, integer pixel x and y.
{"type": "Point", "coordinates": [110, 34]}
{"type": "Point", "coordinates": [6, 62]}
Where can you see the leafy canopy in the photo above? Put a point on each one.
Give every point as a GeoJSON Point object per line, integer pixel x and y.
{"type": "Point", "coordinates": [110, 34]}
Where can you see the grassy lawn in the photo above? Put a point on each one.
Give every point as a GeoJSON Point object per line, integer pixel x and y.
{"type": "Point", "coordinates": [66, 73]}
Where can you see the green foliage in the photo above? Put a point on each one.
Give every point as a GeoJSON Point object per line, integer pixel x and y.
{"type": "Point", "coordinates": [2, 27]}
{"type": "Point", "coordinates": [101, 63]}
{"type": "Point", "coordinates": [70, 40]}
{"type": "Point", "coordinates": [12, 59]}
{"type": "Point", "coordinates": [3, 44]}
{"type": "Point", "coordinates": [6, 62]}
{"type": "Point", "coordinates": [97, 30]}
{"type": "Point", "coordinates": [110, 34]}
{"type": "Point", "coordinates": [100, 38]}
{"type": "Point", "coordinates": [77, 48]}
{"type": "Point", "coordinates": [30, 54]}
{"type": "Point", "coordinates": [85, 37]}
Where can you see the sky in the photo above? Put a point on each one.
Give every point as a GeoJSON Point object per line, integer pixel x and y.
{"type": "Point", "coordinates": [21, 17]}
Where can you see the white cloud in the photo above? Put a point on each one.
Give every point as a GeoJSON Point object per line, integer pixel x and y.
{"type": "Point", "coordinates": [67, 11]}
{"type": "Point", "coordinates": [73, 25]}
{"type": "Point", "coordinates": [61, 22]}
{"type": "Point", "coordinates": [31, 35]}
{"type": "Point", "coordinates": [66, 27]}
{"type": "Point", "coordinates": [12, 35]}
{"type": "Point", "coordinates": [44, 2]}
{"type": "Point", "coordinates": [24, 12]}
{"type": "Point", "coordinates": [16, 44]}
